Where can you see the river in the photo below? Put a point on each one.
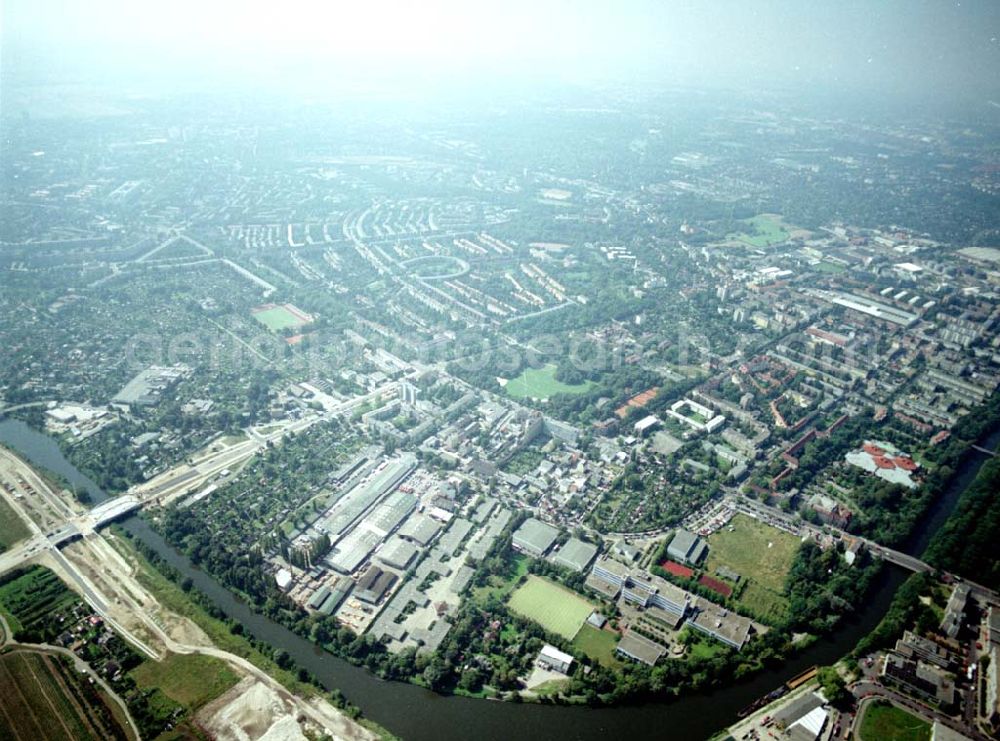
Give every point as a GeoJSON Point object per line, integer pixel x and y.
{"type": "Point", "coordinates": [416, 714]}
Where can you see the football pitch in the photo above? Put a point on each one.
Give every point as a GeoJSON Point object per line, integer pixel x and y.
{"type": "Point", "coordinates": [277, 318]}
{"type": "Point", "coordinates": [552, 606]}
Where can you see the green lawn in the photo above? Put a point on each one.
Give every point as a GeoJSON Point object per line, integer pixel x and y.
{"type": "Point", "coordinates": [550, 688]}
{"type": "Point", "coordinates": [524, 461]}
{"type": "Point", "coordinates": [884, 722]}
{"type": "Point", "coordinates": [12, 527]}
{"type": "Point", "coordinates": [278, 318]}
{"type": "Point", "coordinates": [754, 550]}
{"type": "Point", "coordinates": [552, 606]}
{"type": "Point", "coordinates": [704, 647]}
{"type": "Point", "coordinates": [767, 604]}
{"type": "Point", "coordinates": [541, 383]}
{"type": "Point", "coordinates": [762, 555]}
{"type": "Point", "coordinates": [765, 232]}
{"type": "Point", "coordinates": [189, 680]}
{"type": "Point", "coordinates": [598, 645]}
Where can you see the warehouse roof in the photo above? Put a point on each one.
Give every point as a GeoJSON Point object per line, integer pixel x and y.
{"type": "Point", "coordinates": [352, 551]}
{"type": "Point", "coordinates": [374, 584]}
{"type": "Point", "coordinates": [535, 536]}
{"type": "Point", "coordinates": [686, 546]}
{"type": "Point", "coordinates": [398, 553]}
{"type": "Point", "coordinates": [640, 648]}
{"type": "Point", "coordinates": [392, 511]}
{"type": "Point", "coordinates": [420, 529]}
{"type": "Point", "coordinates": [575, 555]}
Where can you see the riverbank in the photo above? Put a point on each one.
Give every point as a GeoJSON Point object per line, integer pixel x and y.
{"type": "Point", "coordinates": [415, 713]}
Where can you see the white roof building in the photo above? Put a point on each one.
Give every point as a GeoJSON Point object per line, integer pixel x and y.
{"type": "Point", "coordinates": [646, 423]}
{"type": "Point", "coordinates": [559, 661]}
{"type": "Point", "coordinates": [812, 723]}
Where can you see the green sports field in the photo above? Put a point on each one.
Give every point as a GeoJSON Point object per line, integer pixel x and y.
{"type": "Point", "coordinates": [552, 606]}
{"type": "Point", "coordinates": [541, 383]}
{"type": "Point", "coordinates": [765, 232]}
{"type": "Point", "coordinates": [277, 318]}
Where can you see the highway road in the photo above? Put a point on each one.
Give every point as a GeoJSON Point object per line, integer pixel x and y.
{"type": "Point", "coordinates": [23, 553]}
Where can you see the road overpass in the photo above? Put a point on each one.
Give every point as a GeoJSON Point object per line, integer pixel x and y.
{"type": "Point", "coordinates": [112, 509]}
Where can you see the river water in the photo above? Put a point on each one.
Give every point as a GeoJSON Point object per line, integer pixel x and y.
{"type": "Point", "coordinates": [416, 714]}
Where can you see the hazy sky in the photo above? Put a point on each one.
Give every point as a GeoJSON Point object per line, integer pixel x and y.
{"type": "Point", "coordinates": [937, 48]}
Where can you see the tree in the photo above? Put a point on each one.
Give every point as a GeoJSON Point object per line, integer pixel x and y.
{"type": "Point", "coordinates": [471, 680]}
{"type": "Point", "coordinates": [833, 686]}
{"type": "Point", "coordinates": [282, 659]}
{"type": "Point", "coordinates": [434, 675]}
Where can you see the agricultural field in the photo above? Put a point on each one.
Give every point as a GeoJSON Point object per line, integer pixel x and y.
{"type": "Point", "coordinates": [44, 699]}
{"type": "Point", "coordinates": [12, 528]}
{"type": "Point", "coordinates": [277, 318]}
{"type": "Point", "coordinates": [188, 680]}
{"type": "Point", "coordinates": [763, 555]}
{"type": "Point", "coordinates": [30, 600]}
{"type": "Point", "coordinates": [766, 230]}
{"type": "Point", "coordinates": [541, 383]}
{"type": "Point", "coordinates": [598, 645]}
{"type": "Point", "coordinates": [552, 606]}
{"type": "Point", "coordinates": [884, 722]}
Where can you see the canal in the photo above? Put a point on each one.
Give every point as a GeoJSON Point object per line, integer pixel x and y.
{"type": "Point", "coordinates": [416, 714]}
